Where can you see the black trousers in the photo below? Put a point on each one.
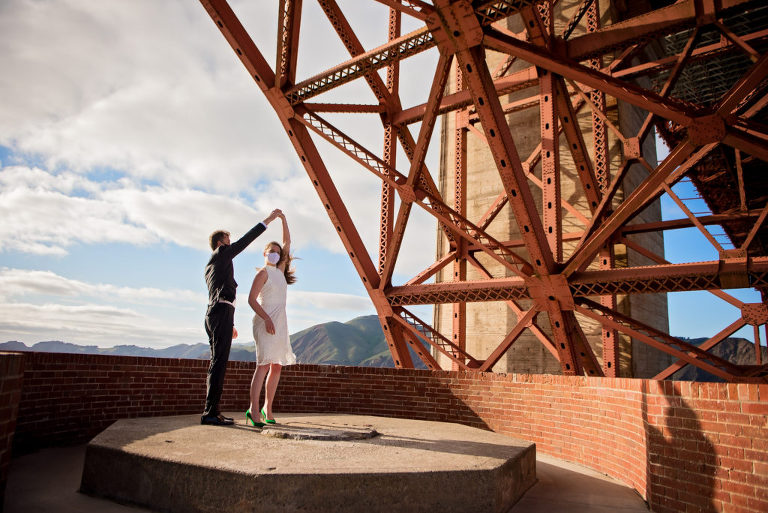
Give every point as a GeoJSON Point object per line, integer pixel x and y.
{"type": "Point", "coordinates": [218, 324]}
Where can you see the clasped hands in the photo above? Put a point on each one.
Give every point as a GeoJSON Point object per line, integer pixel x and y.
{"type": "Point", "coordinates": [274, 215]}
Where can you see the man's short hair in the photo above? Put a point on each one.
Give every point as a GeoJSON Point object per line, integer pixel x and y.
{"type": "Point", "coordinates": [217, 237]}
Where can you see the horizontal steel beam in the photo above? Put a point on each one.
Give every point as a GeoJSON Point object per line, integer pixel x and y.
{"type": "Point", "coordinates": [666, 20]}
{"type": "Point", "coordinates": [672, 278]}
{"type": "Point", "coordinates": [676, 224]}
{"type": "Point", "coordinates": [457, 292]}
{"type": "Point", "coordinates": [406, 46]}
{"type": "Point", "coordinates": [630, 280]}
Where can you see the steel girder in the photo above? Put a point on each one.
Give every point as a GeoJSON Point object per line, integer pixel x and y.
{"type": "Point", "coordinates": [717, 144]}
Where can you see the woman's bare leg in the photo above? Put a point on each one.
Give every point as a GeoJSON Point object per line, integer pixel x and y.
{"type": "Point", "coordinates": [256, 381]}
{"type": "Point", "coordinates": [272, 380]}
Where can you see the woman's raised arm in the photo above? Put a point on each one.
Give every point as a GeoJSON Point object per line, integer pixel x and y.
{"type": "Point", "coordinates": [286, 235]}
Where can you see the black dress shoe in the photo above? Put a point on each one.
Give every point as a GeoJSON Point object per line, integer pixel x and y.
{"type": "Point", "coordinates": [228, 419]}
{"type": "Point", "coordinates": [216, 420]}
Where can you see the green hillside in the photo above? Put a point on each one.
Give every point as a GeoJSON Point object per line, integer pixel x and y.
{"type": "Point", "coordinates": [356, 342]}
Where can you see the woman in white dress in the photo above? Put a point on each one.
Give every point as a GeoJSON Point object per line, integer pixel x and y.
{"type": "Point", "coordinates": [270, 325]}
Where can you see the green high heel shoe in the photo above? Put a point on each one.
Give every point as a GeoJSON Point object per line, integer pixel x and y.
{"type": "Point", "coordinates": [264, 416]}
{"type": "Point", "coordinates": [249, 419]}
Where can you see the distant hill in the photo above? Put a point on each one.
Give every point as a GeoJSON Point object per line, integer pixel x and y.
{"type": "Point", "coordinates": [358, 342]}
{"type": "Point", "coordinates": [56, 346]}
{"type": "Point", "coordinates": [736, 350]}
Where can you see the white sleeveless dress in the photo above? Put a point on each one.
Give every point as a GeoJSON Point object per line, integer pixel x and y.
{"type": "Point", "coordinates": [273, 348]}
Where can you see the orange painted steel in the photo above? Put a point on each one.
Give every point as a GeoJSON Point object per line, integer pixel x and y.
{"type": "Point", "coordinates": [717, 132]}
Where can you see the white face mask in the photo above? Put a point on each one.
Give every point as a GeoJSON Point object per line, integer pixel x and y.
{"type": "Point", "coordinates": [273, 258]}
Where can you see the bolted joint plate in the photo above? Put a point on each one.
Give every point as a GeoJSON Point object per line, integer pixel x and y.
{"type": "Point", "coordinates": [733, 273]}
{"type": "Point", "coordinates": [632, 149]}
{"type": "Point", "coordinates": [407, 194]}
{"type": "Point", "coordinates": [739, 254]}
{"type": "Point", "coordinates": [550, 292]}
{"type": "Point", "coordinates": [754, 313]}
{"type": "Point", "coordinates": [459, 23]}
{"type": "Point", "coordinates": [706, 129]}
{"type": "Point", "coordinates": [462, 118]}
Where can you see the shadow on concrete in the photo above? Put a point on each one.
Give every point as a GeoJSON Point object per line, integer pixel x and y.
{"type": "Point", "coordinates": [681, 462]}
{"type": "Point", "coordinates": [49, 479]}
{"type": "Point", "coordinates": [564, 486]}
{"type": "Point", "coordinates": [448, 446]}
{"type": "Point", "coordinates": [480, 449]}
{"type": "Point", "coordinates": [171, 424]}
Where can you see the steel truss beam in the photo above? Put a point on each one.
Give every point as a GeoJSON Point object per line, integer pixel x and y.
{"type": "Point", "coordinates": [634, 280]}
{"type": "Point", "coordinates": [542, 269]}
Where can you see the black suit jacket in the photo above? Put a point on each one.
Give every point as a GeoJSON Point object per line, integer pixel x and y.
{"type": "Point", "coordinates": [220, 273]}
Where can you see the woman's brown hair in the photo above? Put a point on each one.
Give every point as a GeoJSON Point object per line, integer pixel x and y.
{"type": "Point", "coordinates": [289, 272]}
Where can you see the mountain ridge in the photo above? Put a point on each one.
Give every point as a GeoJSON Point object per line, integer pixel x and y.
{"type": "Point", "coordinates": [735, 350]}
{"type": "Point", "coordinates": [357, 342]}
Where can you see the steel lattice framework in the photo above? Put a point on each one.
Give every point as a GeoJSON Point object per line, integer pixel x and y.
{"type": "Point", "coordinates": [717, 130]}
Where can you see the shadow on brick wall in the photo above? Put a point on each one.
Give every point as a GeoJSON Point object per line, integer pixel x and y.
{"type": "Point", "coordinates": [401, 393]}
{"type": "Point", "coordinates": [680, 460]}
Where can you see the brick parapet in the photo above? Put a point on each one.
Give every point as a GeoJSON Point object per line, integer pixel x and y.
{"type": "Point", "coordinates": [684, 446]}
{"type": "Point", "coordinates": [11, 375]}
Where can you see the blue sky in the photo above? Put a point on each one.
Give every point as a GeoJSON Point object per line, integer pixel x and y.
{"type": "Point", "coordinates": [129, 131]}
{"type": "Point", "coordinates": [700, 313]}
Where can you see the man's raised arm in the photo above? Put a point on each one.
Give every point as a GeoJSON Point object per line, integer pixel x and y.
{"type": "Point", "coordinates": [239, 245]}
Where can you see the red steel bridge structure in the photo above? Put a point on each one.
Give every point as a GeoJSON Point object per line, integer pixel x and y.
{"type": "Point", "coordinates": [716, 129]}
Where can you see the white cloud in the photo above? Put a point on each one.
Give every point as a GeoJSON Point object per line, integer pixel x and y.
{"type": "Point", "coordinates": [40, 219]}
{"type": "Point", "coordinates": [41, 213]}
{"type": "Point", "coordinates": [155, 92]}
{"type": "Point", "coordinates": [14, 177]}
{"type": "Point", "coordinates": [146, 87]}
{"type": "Point", "coordinates": [101, 325]}
{"type": "Point", "coordinates": [182, 216]}
{"type": "Point", "coordinates": [328, 301]}
{"type": "Point", "coordinates": [145, 129]}
{"type": "Point", "coordinates": [41, 305]}
{"type": "Point", "coordinates": [16, 283]}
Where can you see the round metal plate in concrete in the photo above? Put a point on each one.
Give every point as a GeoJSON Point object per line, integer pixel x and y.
{"type": "Point", "coordinates": [175, 464]}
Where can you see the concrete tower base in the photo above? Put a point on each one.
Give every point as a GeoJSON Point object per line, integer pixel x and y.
{"type": "Point", "coordinates": [308, 462]}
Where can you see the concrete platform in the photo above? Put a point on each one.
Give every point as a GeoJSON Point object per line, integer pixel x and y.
{"type": "Point", "coordinates": [175, 464]}
{"type": "Point", "coordinates": [47, 481]}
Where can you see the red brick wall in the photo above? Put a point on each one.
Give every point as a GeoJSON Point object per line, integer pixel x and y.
{"type": "Point", "coordinates": [69, 398]}
{"type": "Point", "coordinates": [11, 373]}
{"type": "Point", "coordinates": [683, 446]}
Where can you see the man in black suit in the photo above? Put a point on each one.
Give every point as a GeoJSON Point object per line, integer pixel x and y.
{"type": "Point", "coordinates": [220, 315]}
